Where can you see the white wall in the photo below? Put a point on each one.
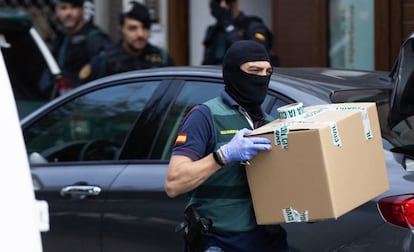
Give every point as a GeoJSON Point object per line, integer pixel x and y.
{"type": "Point", "coordinates": [200, 18]}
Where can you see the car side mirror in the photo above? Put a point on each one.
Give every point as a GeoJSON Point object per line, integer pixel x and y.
{"type": "Point", "coordinates": [37, 158]}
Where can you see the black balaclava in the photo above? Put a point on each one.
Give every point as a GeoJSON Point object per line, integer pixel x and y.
{"type": "Point", "coordinates": [249, 90]}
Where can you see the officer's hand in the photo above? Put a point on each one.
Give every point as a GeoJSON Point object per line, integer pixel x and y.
{"type": "Point", "coordinates": [223, 16]}
{"type": "Point", "coordinates": [242, 148]}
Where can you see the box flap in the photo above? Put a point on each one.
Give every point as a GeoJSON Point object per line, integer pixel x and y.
{"type": "Point", "coordinates": [317, 117]}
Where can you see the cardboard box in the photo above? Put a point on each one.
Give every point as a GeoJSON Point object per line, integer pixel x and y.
{"type": "Point", "coordinates": [322, 172]}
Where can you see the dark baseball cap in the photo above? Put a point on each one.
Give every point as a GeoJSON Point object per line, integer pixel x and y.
{"type": "Point", "coordinates": [77, 3]}
{"type": "Point", "coordinates": [138, 12]}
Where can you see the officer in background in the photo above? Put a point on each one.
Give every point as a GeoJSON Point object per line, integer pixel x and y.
{"type": "Point", "coordinates": [79, 41]}
{"type": "Point", "coordinates": [132, 52]}
{"type": "Point", "coordinates": [232, 25]}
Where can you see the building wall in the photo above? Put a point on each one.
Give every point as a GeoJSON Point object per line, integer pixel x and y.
{"type": "Point", "coordinates": [299, 26]}
{"type": "Point", "coordinates": [394, 21]}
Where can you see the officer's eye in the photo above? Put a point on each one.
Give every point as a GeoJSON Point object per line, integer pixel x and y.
{"type": "Point", "coordinates": [131, 28]}
{"type": "Point", "coordinates": [259, 71]}
{"type": "Point", "coordinates": [269, 71]}
{"type": "Point", "coordinates": [251, 71]}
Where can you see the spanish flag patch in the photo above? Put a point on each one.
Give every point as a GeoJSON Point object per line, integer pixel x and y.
{"type": "Point", "coordinates": [181, 138]}
{"type": "Point", "coordinates": [259, 36]}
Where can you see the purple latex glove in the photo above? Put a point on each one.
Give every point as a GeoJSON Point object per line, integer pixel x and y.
{"type": "Point", "coordinates": [242, 148]}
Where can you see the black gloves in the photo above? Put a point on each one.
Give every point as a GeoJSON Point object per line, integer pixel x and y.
{"type": "Point", "coordinates": [223, 16]}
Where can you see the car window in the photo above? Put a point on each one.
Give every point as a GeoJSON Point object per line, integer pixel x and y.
{"type": "Point", "coordinates": [272, 103]}
{"type": "Point", "coordinates": [196, 92]}
{"type": "Point", "coordinates": [90, 127]}
{"type": "Point", "coordinates": [193, 92]}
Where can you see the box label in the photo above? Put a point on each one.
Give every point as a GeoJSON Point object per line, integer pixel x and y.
{"type": "Point", "coordinates": [291, 215]}
{"type": "Point", "coordinates": [281, 136]}
{"type": "Point", "coordinates": [365, 118]}
{"type": "Point", "coordinates": [291, 111]}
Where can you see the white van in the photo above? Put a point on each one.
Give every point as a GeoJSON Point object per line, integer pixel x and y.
{"type": "Point", "coordinates": [19, 212]}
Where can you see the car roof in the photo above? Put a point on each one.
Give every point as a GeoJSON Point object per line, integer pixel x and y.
{"type": "Point", "coordinates": [14, 19]}
{"type": "Point", "coordinates": [311, 86]}
{"type": "Point", "coordinates": [318, 82]}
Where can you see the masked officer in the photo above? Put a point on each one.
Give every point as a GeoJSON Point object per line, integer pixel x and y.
{"type": "Point", "coordinates": [209, 157]}
{"type": "Point", "coordinates": [133, 51]}
{"type": "Point", "coordinates": [232, 25]}
{"type": "Point", "coordinates": [79, 41]}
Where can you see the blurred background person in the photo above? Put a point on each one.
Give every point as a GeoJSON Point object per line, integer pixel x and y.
{"type": "Point", "coordinates": [232, 25]}
{"type": "Point", "coordinates": [77, 43]}
{"type": "Point", "coordinates": [133, 50]}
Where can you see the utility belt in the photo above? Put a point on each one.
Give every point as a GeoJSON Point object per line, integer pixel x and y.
{"type": "Point", "coordinates": [195, 230]}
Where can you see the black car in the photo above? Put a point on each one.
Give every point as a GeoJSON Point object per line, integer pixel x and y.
{"type": "Point", "coordinates": [99, 156]}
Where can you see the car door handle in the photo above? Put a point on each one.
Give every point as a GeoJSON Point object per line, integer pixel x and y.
{"type": "Point", "coordinates": [80, 190]}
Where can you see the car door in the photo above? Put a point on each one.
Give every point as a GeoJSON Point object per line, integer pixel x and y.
{"type": "Point", "coordinates": [73, 149]}
{"type": "Point", "coordinates": [138, 214]}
